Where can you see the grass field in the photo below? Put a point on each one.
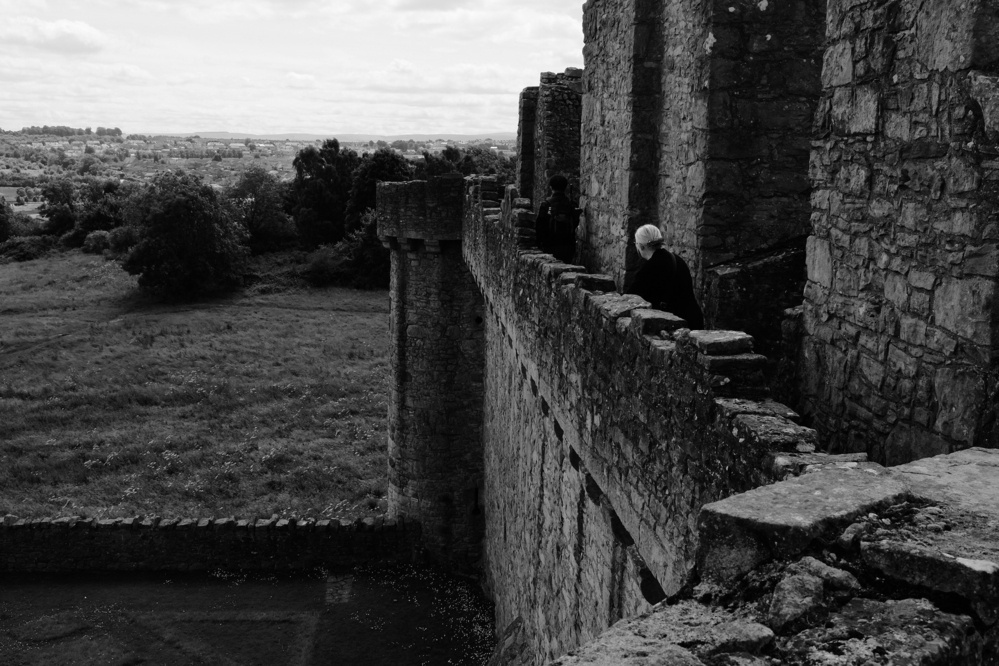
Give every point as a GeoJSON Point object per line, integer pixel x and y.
{"type": "Point", "coordinates": [112, 405]}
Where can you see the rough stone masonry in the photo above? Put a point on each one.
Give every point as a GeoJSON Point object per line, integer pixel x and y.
{"type": "Point", "coordinates": [854, 140]}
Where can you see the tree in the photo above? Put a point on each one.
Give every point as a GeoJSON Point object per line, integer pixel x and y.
{"type": "Point", "coordinates": [359, 260]}
{"type": "Point", "coordinates": [189, 239]}
{"type": "Point", "coordinates": [6, 221]}
{"type": "Point", "coordinates": [258, 198]}
{"type": "Point", "coordinates": [320, 191]}
{"type": "Point", "coordinates": [382, 165]}
{"type": "Point", "coordinates": [60, 207]}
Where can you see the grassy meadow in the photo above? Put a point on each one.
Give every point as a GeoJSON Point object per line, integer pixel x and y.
{"type": "Point", "coordinates": [112, 405]}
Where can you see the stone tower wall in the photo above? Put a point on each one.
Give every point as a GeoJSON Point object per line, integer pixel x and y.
{"type": "Point", "coordinates": [697, 117]}
{"type": "Point", "coordinates": [556, 135]}
{"type": "Point", "coordinates": [618, 156]}
{"type": "Point", "coordinates": [435, 408]}
{"type": "Point", "coordinates": [526, 133]}
{"type": "Point", "coordinates": [901, 313]}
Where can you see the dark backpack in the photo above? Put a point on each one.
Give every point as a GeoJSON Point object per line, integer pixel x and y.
{"type": "Point", "coordinates": [564, 217]}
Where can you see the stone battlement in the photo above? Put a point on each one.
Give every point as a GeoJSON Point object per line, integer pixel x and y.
{"type": "Point", "coordinates": [75, 544]}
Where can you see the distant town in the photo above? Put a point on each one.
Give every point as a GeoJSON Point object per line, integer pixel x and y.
{"type": "Point", "coordinates": [33, 156]}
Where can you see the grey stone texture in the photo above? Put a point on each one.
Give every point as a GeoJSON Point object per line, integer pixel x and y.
{"type": "Point", "coordinates": [901, 310]}
{"type": "Point", "coordinates": [556, 125]}
{"type": "Point", "coordinates": [888, 594]}
{"type": "Point", "coordinates": [606, 427]}
{"type": "Point", "coordinates": [435, 408]}
{"type": "Point", "coordinates": [684, 633]}
{"type": "Point", "coordinates": [697, 116]}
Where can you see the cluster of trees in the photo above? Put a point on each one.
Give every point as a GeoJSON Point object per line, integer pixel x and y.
{"type": "Point", "coordinates": [62, 130]}
{"type": "Point", "coordinates": [181, 236]}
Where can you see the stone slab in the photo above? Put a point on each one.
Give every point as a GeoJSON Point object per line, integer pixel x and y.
{"type": "Point", "coordinates": [967, 479]}
{"type": "Point", "coordinates": [779, 521]}
{"type": "Point", "coordinates": [864, 631]}
{"type": "Point", "coordinates": [646, 321]}
{"type": "Point", "coordinates": [685, 633]}
{"type": "Point", "coordinates": [718, 343]}
{"type": "Point", "coordinates": [732, 406]}
{"type": "Point", "coordinates": [974, 580]}
{"type": "Point", "coordinates": [786, 463]}
{"type": "Point", "coordinates": [775, 433]}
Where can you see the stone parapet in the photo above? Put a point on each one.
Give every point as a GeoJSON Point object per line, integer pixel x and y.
{"type": "Point", "coordinates": [608, 425]}
{"type": "Point", "coordinates": [420, 210]}
{"type": "Point", "coordinates": [149, 543]}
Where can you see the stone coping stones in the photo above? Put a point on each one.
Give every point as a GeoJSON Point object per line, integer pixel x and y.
{"type": "Point", "coordinates": [781, 520]}
{"type": "Point", "coordinates": [793, 464]}
{"type": "Point", "coordinates": [775, 432]}
{"type": "Point", "coordinates": [733, 406]}
{"type": "Point", "coordinates": [646, 321]}
{"type": "Point", "coordinates": [685, 633]}
{"type": "Point", "coordinates": [719, 343]}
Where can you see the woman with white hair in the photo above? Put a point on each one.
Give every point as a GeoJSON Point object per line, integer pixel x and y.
{"type": "Point", "coordinates": [664, 280]}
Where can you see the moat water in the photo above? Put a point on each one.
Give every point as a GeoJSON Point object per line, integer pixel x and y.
{"type": "Point", "coordinates": [400, 615]}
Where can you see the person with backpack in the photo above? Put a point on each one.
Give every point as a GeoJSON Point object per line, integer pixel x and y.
{"type": "Point", "coordinates": [555, 225]}
{"type": "Point", "coordinates": [664, 280]}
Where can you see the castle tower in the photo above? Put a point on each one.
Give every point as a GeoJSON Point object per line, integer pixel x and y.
{"type": "Point", "coordinates": [435, 410]}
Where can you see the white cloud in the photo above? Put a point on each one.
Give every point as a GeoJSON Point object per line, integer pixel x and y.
{"type": "Point", "coordinates": [296, 80]}
{"type": "Point", "coordinates": [61, 35]}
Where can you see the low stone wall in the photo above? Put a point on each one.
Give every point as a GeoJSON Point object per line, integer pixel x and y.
{"type": "Point", "coordinates": [607, 426]}
{"type": "Point", "coordinates": [73, 544]}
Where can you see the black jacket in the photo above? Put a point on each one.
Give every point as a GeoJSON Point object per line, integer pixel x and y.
{"type": "Point", "coordinates": [665, 282]}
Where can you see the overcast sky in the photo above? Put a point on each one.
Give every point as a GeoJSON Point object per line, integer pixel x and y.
{"type": "Point", "coordinates": [269, 66]}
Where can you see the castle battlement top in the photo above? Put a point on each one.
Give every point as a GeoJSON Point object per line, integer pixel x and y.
{"type": "Point", "coordinates": [421, 210]}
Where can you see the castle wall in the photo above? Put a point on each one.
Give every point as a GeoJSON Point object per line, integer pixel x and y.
{"type": "Point", "coordinates": [526, 132]}
{"type": "Point", "coordinates": [603, 435]}
{"type": "Point", "coordinates": [901, 311]}
{"type": "Point", "coordinates": [556, 134]}
{"type": "Point", "coordinates": [612, 30]}
{"type": "Point", "coordinates": [435, 408]}
{"type": "Point", "coordinates": [698, 117]}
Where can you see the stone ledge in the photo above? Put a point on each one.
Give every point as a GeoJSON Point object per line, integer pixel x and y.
{"type": "Point", "coordinates": [779, 521]}
{"type": "Point", "coordinates": [722, 343]}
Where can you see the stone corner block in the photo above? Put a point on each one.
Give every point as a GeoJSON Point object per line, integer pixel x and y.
{"type": "Point", "coordinates": [722, 343]}
{"type": "Point", "coordinates": [596, 282]}
{"type": "Point", "coordinates": [646, 321]}
{"type": "Point", "coordinates": [779, 521]}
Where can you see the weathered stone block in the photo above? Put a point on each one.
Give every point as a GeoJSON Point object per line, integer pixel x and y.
{"type": "Point", "coordinates": [652, 322]}
{"type": "Point", "coordinates": [837, 64]}
{"type": "Point", "coordinates": [819, 260]}
{"type": "Point", "coordinates": [590, 282]}
{"type": "Point", "coordinates": [774, 433]}
{"type": "Point", "coordinates": [781, 520]}
{"type": "Point", "coordinates": [719, 343]}
{"type": "Point", "coordinates": [965, 306]}
{"type": "Point", "coordinates": [864, 628]}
